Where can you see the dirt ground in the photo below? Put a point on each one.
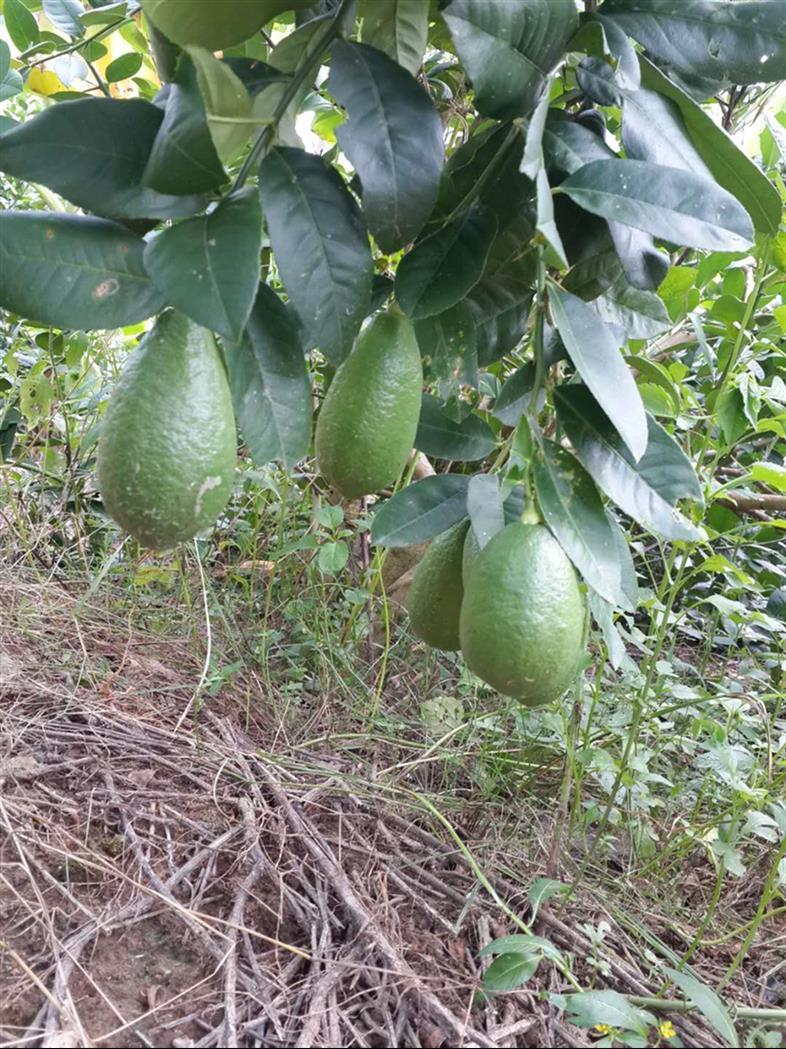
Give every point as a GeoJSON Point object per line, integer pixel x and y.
{"type": "Point", "coordinates": [166, 881]}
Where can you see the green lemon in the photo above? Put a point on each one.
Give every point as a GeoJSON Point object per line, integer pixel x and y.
{"type": "Point", "coordinates": [368, 419]}
{"type": "Point", "coordinates": [167, 452]}
{"type": "Point", "coordinates": [522, 618]}
{"type": "Point", "coordinates": [434, 602]}
{"type": "Point", "coordinates": [214, 24]}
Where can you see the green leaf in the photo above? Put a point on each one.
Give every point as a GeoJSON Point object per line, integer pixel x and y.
{"type": "Point", "coordinates": [523, 943]}
{"type": "Point", "coordinates": [183, 159]}
{"type": "Point", "coordinates": [101, 147]}
{"type": "Point", "coordinates": [508, 49]}
{"type": "Point", "coordinates": [122, 68]}
{"type": "Point", "coordinates": [65, 15]}
{"type": "Point", "coordinates": [10, 81]}
{"type": "Point", "coordinates": [226, 101]}
{"type": "Point", "coordinates": [20, 24]}
{"type": "Point", "coordinates": [542, 890]}
{"type": "Point", "coordinates": [321, 247]}
{"type": "Point", "coordinates": [443, 267]}
{"type": "Point", "coordinates": [708, 1003]}
{"type": "Point", "coordinates": [509, 971]}
{"type": "Point", "coordinates": [500, 306]}
{"type": "Point", "coordinates": [449, 342]}
{"type": "Point", "coordinates": [653, 129]}
{"type": "Point", "coordinates": [515, 395]}
{"type": "Point", "coordinates": [646, 490]}
{"type": "Point", "coordinates": [208, 266]}
{"type": "Point", "coordinates": [589, 1008]}
{"type": "Point", "coordinates": [678, 206]}
{"type": "Point", "coordinates": [574, 512]}
{"type": "Point", "coordinates": [600, 279]}
{"type": "Point", "coordinates": [400, 169]}
{"type": "Point", "coordinates": [643, 265]}
{"type": "Point", "coordinates": [421, 511]}
{"type": "Point", "coordinates": [332, 557]}
{"type": "Point", "coordinates": [270, 386]}
{"type": "Point", "coordinates": [595, 353]}
{"type": "Point", "coordinates": [484, 506]}
{"type": "Point", "coordinates": [730, 166]}
{"type": "Point", "coordinates": [771, 474]}
{"type": "Point", "coordinates": [568, 145]}
{"type": "Point", "coordinates": [709, 38]}
{"type": "Point", "coordinates": [397, 27]}
{"type": "Point", "coordinates": [71, 271]}
{"type": "Point", "coordinates": [440, 435]}
{"type": "Point", "coordinates": [730, 410]}
{"type": "Point", "coordinates": [533, 166]}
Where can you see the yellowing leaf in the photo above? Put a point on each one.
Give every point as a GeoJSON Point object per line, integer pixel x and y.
{"type": "Point", "coordinates": [44, 82]}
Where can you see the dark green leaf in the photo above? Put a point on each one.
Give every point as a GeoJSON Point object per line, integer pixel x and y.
{"type": "Point", "coordinates": [440, 435]}
{"type": "Point", "coordinates": [484, 506]}
{"type": "Point", "coordinates": [321, 247]}
{"type": "Point", "coordinates": [509, 971]}
{"type": "Point", "coordinates": [449, 342]}
{"type": "Point", "coordinates": [443, 267]}
{"type": "Point", "coordinates": [644, 266]}
{"type": "Point", "coordinates": [183, 159]}
{"type": "Point", "coordinates": [508, 49]}
{"type": "Point", "coordinates": [515, 395]}
{"type": "Point", "coordinates": [397, 27]}
{"type": "Point", "coordinates": [122, 68]}
{"type": "Point", "coordinates": [208, 266]}
{"type": "Point", "coordinates": [742, 42]}
{"type": "Point", "coordinates": [568, 145]}
{"type": "Point", "coordinates": [653, 129]}
{"type": "Point", "coordinates": [101, 147]}
{"type": "Point", "coordinates": [421, 511]}
{"type": "Point", "coordinates": [640, 313]}
{"type": "Point", "coordinates": [72, 271]}
{"type": "Point", "coordinates": [600, 278]}
{"type": "Point", "coordinates": [595, 353]}
{"type": "Point", "coordinates": [400, 169]}
{"type": "Point", "coordinates": [65, 15]}
{"type": "Point", "coordinates": [20, 24]}
{"type": "Point", "coordinates": [708, 1003]}
{"type": "Point", "coordinates": [574, 512]}
{"type": "Point", "coordinates": [597, 80]}
{"type": "Point", "coordinates": [270, 385]}
{"type": "Point", "coordinates": [255, 74]}
{"type": "Point", "coordinates": [731, 167]}
{"type": "Point", "coordinates": [627, 70]}
{"type": "Point", "coordinates": [676, 205]}
{"type": "Point", "coordinates": [646, 490]}
{"type": "Point", "coordinates": [500, 307]}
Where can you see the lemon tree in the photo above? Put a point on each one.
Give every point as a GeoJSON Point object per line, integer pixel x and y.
{"type": "Point", "coordinates": [476, 228]}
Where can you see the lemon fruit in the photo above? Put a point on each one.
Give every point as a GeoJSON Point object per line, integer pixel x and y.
{"type": "Point", "coordinates": [168, 448]}
{"type": "Point", "coordinates": [434, 602]}
{"type": "Point", "coordinates": [522, 617]}
{"type": "Point", "coordinates": [368, 419]}
{"type": "Point", "coordinates": [214, 24]}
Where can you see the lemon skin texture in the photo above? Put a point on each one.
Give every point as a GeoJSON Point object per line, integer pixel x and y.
{"type": "Point", "coordinates": [367, 423]}
{"type": "Point", "coordinates": [522, 618]}
{"type": "Point", "coordinates": [168, 448]}
{"type": "Point", "coordinates": [434, 602]}
{"type": "Point", "coordinates": [214, 24]}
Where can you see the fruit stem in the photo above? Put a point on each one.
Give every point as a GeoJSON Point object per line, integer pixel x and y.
{"type": "Point", "coordinates": [305, 69]}
{"type": "Point", "coordinates": [538, 337]}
